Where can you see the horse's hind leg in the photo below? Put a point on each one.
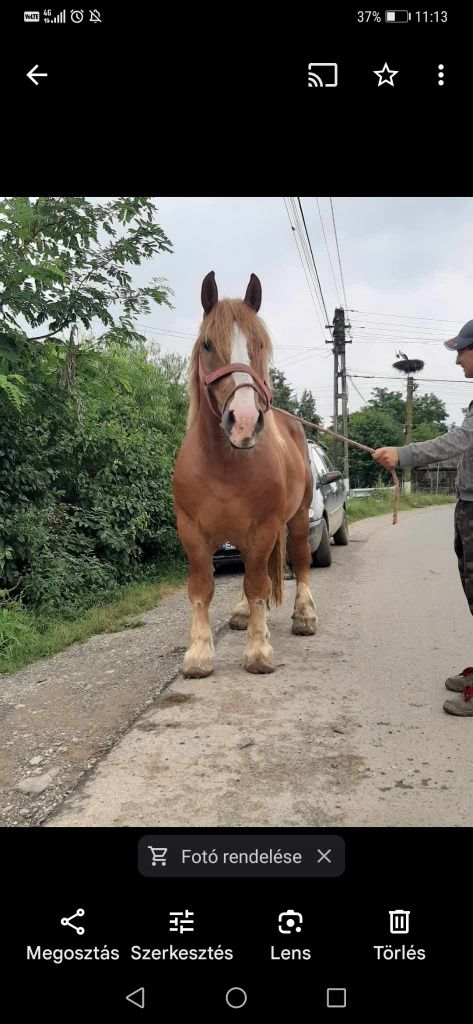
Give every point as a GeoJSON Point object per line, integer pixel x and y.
{"type": "Point", "coordinates": [240, 614]}
{"type": "Point", "coordinates": [304, 618]}
{"type": "Point", "coordinates": [200, 657]}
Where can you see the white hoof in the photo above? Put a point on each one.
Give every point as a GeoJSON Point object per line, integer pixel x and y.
{"type": "Point", "coordinates": [199, 661]}
{"type": "Point", "coordinates": [259, 658]}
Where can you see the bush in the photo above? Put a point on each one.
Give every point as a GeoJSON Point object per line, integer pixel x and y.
{"type": "Point", "coordinates": [85, 475]}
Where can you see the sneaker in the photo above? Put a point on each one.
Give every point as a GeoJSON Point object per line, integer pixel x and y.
{"type": "Point", "coordinates": [461, 705]}
{"type": "Point", "coordinates": [458, 683]}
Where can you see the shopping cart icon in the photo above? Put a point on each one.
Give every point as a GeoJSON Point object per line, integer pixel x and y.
{"type": "Point", "coordinates": [158, 854]}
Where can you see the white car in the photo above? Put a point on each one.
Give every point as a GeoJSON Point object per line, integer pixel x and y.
{"type": "Point", "coordinates": [327, 514]}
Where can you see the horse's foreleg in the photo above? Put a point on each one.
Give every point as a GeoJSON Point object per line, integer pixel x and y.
{"type": "Point", "coordinates": [304, 618]}
{"type": "Point", "coordinates": [257, 586]}
{"type": "Point", "coordinates": [200, 656]}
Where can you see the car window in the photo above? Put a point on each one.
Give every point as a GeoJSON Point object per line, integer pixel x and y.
{"type": "Point", "coordinates": [321, 461]}
{"type": "Point", "coordinates": [318, 462]}
{"type": "Point", "coordinates": [326, 462]}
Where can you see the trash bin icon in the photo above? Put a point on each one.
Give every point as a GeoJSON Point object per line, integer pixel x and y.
{"type": "Point", "coordinates": [399, 922]}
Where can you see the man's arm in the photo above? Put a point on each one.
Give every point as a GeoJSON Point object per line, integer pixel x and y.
{"type": "Point", "coordinates": [420, 453]}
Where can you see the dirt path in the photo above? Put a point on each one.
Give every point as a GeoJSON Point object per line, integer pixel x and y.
{"type": "Point", "coordinates": [348, 731]}
{"type": "Point", "coordinates": [59, 716]}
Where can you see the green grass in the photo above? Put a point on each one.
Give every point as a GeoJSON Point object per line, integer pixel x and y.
{"type": "Point", "coordinates": [26, 636]}
{"type": "Point", "coordinates": [381, 502]}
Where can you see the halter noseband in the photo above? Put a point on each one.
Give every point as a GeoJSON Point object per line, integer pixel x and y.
{"type": "Point", "coordinates": [260, 386]}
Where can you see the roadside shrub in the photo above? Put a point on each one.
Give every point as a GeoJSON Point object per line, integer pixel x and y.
{"type": "Point", "coordinates": [85, 474]}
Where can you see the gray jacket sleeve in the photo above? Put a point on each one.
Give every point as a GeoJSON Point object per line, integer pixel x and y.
{"type": "Point", "coordinates": [457, 441]}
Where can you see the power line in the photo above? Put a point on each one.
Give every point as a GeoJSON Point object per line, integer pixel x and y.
{"type": "Point", "coordinates": [338, 251]}
{"type": "Point", "coordinates": [171, 334]}
{"type": "Point", "coordinates": [314, 263]}
{"type": "Point", "coordinates": [402, 331]}
{"type": "Point", "coordinates": [300, 359]}
{"type": "Point", "coordinates": [293, 229]}
{"type": "Point", "coordinates": [389, 325]}
{"type": "Point", "coordinates": [410, 316]}
{"type": "Point", "coordinates": [328, 251]}
{"type": "Point", "coordinates": [423, 380]}
{"type": "Point", "coordinates": [356, 389]}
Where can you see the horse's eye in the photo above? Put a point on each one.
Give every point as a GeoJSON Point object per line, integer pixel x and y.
{"type": "Point", "coordinates": [208, 345]}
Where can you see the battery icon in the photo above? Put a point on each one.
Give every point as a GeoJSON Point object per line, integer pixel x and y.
{"type": "Point", "coordinates": [396, 17]}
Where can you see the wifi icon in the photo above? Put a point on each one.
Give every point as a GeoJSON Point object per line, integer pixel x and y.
{"type": "Point", "coordinates": [323, 76]}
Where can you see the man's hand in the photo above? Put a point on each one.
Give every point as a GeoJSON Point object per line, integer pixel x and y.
{"type": "Point", "coordinates": [387, 457]}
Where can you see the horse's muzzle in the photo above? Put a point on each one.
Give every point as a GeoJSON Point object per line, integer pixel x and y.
{"type": "Point", "coordinates": [240, 432]}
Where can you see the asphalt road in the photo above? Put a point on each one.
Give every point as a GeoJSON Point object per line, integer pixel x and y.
{"type": "Point", "coordinates": [348, 731]}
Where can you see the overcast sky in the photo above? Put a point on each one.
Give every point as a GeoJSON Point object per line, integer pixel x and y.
{"type": "Point", "coordinates": [412, 257]}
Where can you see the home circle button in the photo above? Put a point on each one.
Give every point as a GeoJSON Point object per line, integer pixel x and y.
{"type": "Point", "coordinates": [236, 998]}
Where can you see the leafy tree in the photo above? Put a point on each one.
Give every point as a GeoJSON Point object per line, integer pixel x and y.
{"type": "Point", "coordinates": [424, 431]}
{"type": "Point", "coordinates": [63, 262]}
{"type": "Point", "coordinates": [430, 409]}
{"type": "Point", "coordinates": [306, 409]}
{"type": "Point", "coordinates": [426, 409]}
{"type": "Point", "coordinates": [373, 428]}
{"type": "Point", "coordinates": [283, 395]}
{"type": "Point", "coordinates": [392, 403]}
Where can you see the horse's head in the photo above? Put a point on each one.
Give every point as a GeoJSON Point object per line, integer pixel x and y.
{"type": "Point", "coordinates": [232, 333]}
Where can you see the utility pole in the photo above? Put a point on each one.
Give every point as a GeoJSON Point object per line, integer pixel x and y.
{"type": "Point", "coordinates": [339, 340]}
{"type": "Point", "coordinates": [408, 366]}
{"type": "Point", "coordinates": [408, 431]}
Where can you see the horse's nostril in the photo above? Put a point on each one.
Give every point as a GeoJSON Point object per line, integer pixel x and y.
{"type": "Point", "coordinates": [228, 420]}
{"type": "Point", "coordinates": [259, 423]}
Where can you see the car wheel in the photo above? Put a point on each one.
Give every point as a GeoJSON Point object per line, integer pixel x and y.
{"type": "Point", "coordinates": [341, 536]}
{"type": "Point", "coordinates": [323, 556]}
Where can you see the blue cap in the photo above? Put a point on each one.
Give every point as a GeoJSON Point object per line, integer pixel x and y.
{"type": "Point", "coordinates": [463, 338]}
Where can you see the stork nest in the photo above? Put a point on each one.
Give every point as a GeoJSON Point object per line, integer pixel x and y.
{"type": "Point", "coordinates": [409, 365]}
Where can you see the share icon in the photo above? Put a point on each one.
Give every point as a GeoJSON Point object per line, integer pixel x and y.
{"type": "Point", "coordinates": [68, 921]}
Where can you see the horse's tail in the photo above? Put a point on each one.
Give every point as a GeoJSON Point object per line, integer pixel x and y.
{"type": "Point", "coordinates": [276, 566]}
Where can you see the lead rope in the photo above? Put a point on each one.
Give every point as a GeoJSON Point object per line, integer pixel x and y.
{"type": "Point", "coordinates": [356, 444]}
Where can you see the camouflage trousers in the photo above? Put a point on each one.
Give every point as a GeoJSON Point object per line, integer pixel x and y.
{"type": "Point", "coordinates": [463, 545]}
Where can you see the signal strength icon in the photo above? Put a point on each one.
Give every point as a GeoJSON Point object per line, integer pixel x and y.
{"type": "Point", "coordinates": [60, 19]}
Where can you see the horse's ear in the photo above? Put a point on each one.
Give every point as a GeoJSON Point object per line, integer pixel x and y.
{"type": "Point", "coordinates": [253, 293]}
{"type": "Point", "coordinates": [209, 293]}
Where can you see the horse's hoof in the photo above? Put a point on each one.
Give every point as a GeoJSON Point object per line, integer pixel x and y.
{"type": "Point", "coordinates": [304, 626]}
{"type": "Point", "coordinates": [259, 666]}
{"type": "Point", "coordinates": [239, 621]}
{"type": "Point", "coordinates": [197, 668]}
{"type": "Point", "coordinates": [260, 660]}
{"type": "Point", "coordinates": [197, 672]}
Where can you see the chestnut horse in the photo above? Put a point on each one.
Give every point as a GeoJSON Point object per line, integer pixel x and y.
{"type": "Point", "coordinates": [242, 474]}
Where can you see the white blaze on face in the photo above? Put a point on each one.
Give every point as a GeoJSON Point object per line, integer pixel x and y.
{"type": "Point", "coordinates": [244, 402]}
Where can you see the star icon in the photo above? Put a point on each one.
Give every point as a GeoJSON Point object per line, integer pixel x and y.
{"type": "Point", "coordinates": [385, 76]}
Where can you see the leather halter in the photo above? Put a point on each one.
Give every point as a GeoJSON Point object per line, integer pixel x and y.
{"type": "Point", "coordinates": [260, 386]}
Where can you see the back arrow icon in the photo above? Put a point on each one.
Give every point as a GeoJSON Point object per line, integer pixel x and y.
{"type": "Point", "coordinates": [34, 74]}
{"type": "Point", "coordinates": [137, 998]}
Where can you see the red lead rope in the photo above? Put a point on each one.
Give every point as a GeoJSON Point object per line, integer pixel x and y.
{"type": "Point", "coordinates": [355, 444]}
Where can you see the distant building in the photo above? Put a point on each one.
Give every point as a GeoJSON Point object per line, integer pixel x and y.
{"type": "Point", "coordinates": [437, 476]}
